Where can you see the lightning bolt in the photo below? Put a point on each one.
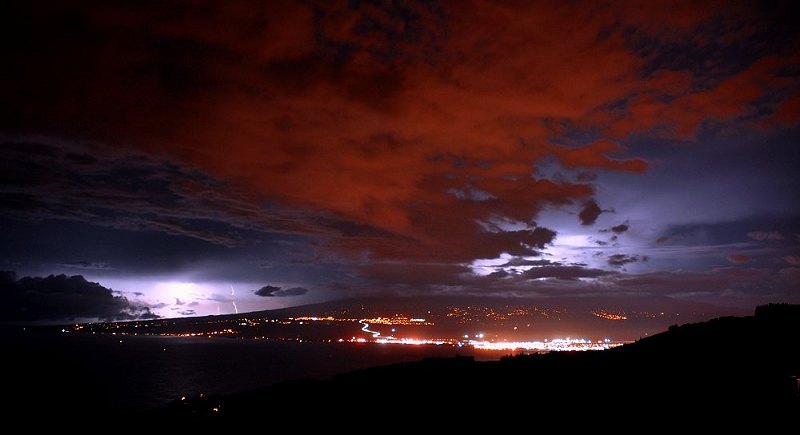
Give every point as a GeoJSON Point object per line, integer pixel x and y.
{"type": "Point", "coordinates": [235, 308]}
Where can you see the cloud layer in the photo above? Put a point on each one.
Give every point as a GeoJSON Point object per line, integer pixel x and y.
{"type": "Point", "coordinates": [416, 136]}
{"type": "Point", "coordinates": [62, 298]}
{"type": "Point", "coordinates": [275, 291]}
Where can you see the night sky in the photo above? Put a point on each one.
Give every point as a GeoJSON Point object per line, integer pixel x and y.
{"type": "Point", "coordinates": [206, 157]}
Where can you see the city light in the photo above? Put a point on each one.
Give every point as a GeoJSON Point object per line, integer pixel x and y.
{"type": "Point", "coordinates": [556, 344]}
{"type": "Point", "coordinates": [608, 316]}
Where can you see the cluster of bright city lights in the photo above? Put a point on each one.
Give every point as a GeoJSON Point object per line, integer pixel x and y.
{"type": "Point", "coordinates": [609, 316]}
{"type": "Point", "coordinates": [556, 344]}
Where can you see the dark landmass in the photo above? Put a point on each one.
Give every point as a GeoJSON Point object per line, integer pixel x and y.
{"type": "Point", "coordinates": [446, 317]}
{"type": "Point", "coordinates": [717, 372]}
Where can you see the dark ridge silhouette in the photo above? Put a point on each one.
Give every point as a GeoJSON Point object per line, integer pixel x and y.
{"type": "Point", "coordinates": [717, 372]}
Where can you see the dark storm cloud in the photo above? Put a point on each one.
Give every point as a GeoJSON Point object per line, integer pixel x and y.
{"type": "Point", "coordinates": [623, 259]}
{"type": "Point", "coordinates": [61, 298]}
{"type": "Point", "coordinates": [619, 229]}
{"type": "Point", "coordinates": [589, 213]}
{"type": "Point", "coordinates": [267, 290]}
{"type": "Point", "coordinates": [271, 290]}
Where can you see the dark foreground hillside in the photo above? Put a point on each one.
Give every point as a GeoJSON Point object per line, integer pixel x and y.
{"type": "Point", "coordinates": [727, 369]}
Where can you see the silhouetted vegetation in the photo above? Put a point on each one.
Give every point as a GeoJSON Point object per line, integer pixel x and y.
{"type": "Point", "coordinates": [724, 370]}
{"type": "Point", "coordinates": [778, 311]}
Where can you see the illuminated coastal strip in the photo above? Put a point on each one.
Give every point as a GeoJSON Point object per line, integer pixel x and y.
{"type": "Point", "coordinates": [478, 343]}
{"type": "Point", "coordinates": [554, 345]}
{"type": "Point", "coordinates": [416, 341]}
{"type": "Point", "coordinates": [557, 344]}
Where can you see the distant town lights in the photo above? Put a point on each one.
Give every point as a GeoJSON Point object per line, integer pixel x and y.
{"type": "Point", "coordinates": [556, 344]}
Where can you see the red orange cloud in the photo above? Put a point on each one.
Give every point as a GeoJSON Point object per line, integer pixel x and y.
{"type": "Point", "coordinates": [378, 114]}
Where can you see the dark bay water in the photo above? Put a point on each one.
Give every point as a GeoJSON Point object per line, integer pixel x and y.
{"type": "Point", "coordinates": [113, 374]}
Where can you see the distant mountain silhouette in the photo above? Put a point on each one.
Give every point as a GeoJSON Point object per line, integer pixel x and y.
{"type": "Point", "coordinates": [721, 371]}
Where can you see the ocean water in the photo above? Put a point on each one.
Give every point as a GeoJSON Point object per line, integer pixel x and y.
{"type": "Point", "coordinates": [113, 374]}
